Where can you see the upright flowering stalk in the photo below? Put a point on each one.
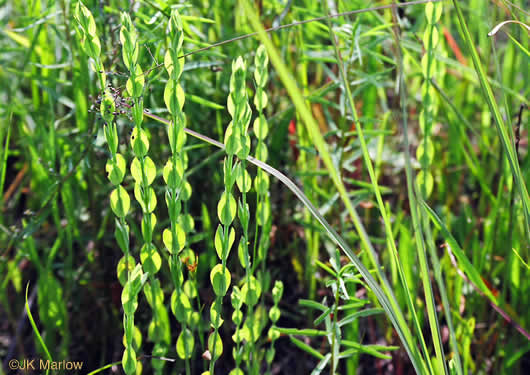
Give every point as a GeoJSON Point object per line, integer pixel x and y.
{"type": "Point", "coordinates": [177, 188]}
{"type": "Point", "coordinates": [130, 275]}
{"type": "Point", "coordinates": [143, 171]}
{"type": "Point", "coordinates": [251, 290]}
{"type": "Point", "coordinates": [236, 142]}
{"type": "Point", "coordinates": [86, 30]}
{"type": "Point", "coordinates": [261, 182]}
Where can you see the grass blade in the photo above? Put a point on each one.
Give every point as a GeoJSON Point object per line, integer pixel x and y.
{"type": "Point", "coordinates": [501, 127]}
{"type": "Point", "coordinates": [466, 265]}
{"type": "Point", "coordinates": [384, 294]}
{"type": "Point", "coordinates": [35, 329]}
{"type": "Point", "coordinates": [400, 325]}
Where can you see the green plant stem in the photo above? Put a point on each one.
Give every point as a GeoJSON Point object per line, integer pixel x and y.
{"type": "Point", "coordinates": [501, 127]}
{"type": "Point", "coordinates": [398, 322]}
{"type": "Point", "coordinates": [334, 344]}
{"type": "Point", "coordinates": [248, 274]}
{"type": "Point", "coordinates": [226, 244]}
{"type": "Point", "coordinates": [412, 190]}
{"type": "Point", "coordinates": [382, 209]}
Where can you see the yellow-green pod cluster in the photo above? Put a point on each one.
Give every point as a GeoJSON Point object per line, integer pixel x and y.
{"type": "Point", "coordinates": [136, 81]}
{"type": "Point", "coordinates": [173, 173]}
{"type": "Point", "coordinates": [237, 143]}
{"type": "Point", "coordinates": [86, 30]}
{"type": "Point", "coordinates": [132, 337]}
{"type": "Point", "coordinates": [430, 69]}
{"type": "Point", "coordinates": [143, 171]}
{"type": "Point", "coordinates": [251, 290]}
{"type": "Point", "coordinates": [178, 190]}
{"type": "Point", "coordinates": [261, 130]}
{"type": "Point", "coordinates": [130, 275]}
{"type": "Point", "coordinates": [274, 315]}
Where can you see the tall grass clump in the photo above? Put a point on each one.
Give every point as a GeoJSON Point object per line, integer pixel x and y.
{"type": "Point", "coordinates": [384, 295]}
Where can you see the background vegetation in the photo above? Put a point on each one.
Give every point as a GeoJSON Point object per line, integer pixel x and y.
{"type": "Point", "coordinates": [406, 129]}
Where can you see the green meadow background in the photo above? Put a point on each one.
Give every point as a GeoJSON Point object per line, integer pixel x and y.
{"type": "Point", "coordinates": [380, 216]}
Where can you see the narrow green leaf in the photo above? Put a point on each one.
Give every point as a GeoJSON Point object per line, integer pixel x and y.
{"type": "Point", "coordinates": [35, 329]}
{"type": "Point", "coordinates": [306, 348]}
{"type": "Point", "coordinates": [468, 268]}
{"type": "Point", "coordinates": [312, 304]}
{"type": "Point", "coordinates": [302, 332]}
{"type": "Point", "coordinates": [499, 121]}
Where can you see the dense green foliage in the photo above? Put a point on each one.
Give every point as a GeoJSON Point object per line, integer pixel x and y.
{"type": "Point", "coordinates": [346, 195]}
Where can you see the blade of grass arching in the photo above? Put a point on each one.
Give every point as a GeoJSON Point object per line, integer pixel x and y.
{"type": "Point", "coordinates": [396, 318]}
{"type": "Point", "coordinates": [307, 161]}
{"type": "Point", "coordinates": [498, 27]}
{"type": "Point", "coordinates": [376, 289]}
{"type": "Point", "coordinates": [501, 127]}
{"type": "Point", "coordinates": [416, 214]}
{"type": "Point", "coordinates": [392, 309]}
{"type": "Point", "coordinates": [388, 228]}
{"type": "Point", "coordinates": [36, 330]}
{"type": "Point", "coordinates": [312, 128]}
